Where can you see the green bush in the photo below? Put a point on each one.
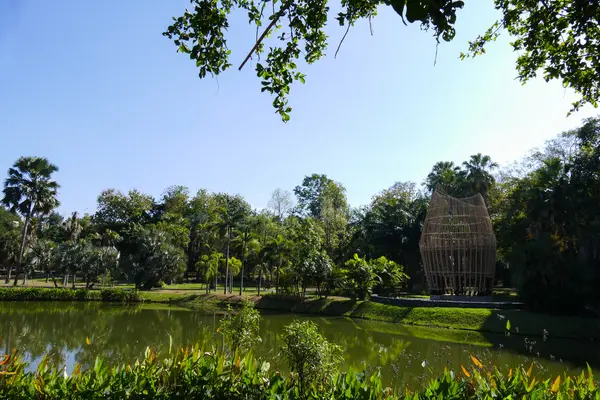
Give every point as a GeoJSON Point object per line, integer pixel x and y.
{"type": "Point", "coordinates": [123, 296]}
{"type": "Point", "coordinates": [192, 373]}
{"type": "Point", "coordinates": [63, 294]}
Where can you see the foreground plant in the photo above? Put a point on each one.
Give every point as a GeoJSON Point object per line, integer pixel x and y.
{"type": "Point", "coordinates": [193, 373]}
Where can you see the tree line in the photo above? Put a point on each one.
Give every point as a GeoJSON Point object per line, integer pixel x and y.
{"type": "Point", "coordinates": [543, 209]}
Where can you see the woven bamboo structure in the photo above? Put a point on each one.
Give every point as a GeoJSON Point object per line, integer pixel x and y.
{"type": "Point", "coordinates": [458, 246]}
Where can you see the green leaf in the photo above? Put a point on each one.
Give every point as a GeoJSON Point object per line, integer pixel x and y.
{"type": "Point", "coordinates": [398, 6]}
{"type": "Point", "coordinates": [508, 325]}
{"type": "Point", "coordinates": [415, 11]}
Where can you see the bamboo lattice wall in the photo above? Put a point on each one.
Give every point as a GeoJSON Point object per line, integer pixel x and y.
{"type": "Point", "coordinates": [458, 246]}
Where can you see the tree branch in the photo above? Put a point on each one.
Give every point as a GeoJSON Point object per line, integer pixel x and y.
{"type": "Point", "coordinates": [341, 41]}
{"type": "Point", "coordinates": [260, 39]}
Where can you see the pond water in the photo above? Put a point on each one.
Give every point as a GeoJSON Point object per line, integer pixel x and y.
{"type": "Point", "coordinates": [403, 354]}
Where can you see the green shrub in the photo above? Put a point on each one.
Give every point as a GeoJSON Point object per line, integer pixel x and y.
{"type": "Point", "coordinates": [63, 294]}
{"type": "Point", "coordinates": [192, 373]}
{"type": "Point", "coordinates": [123, 296]}
{"type": "Point", "coordinates": [241, 330]}
{"type": "Point", "coordinates": [310, 356]}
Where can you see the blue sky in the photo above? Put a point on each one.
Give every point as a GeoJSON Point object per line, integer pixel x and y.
{"type": "Point", "coordinates": [97, 89]}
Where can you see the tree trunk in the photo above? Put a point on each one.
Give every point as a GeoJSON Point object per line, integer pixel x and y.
{"type": "Point", "coordinates": [22, 248]}
{"type": "Point", "coordinates": [243, 265]}
{"type": "Point", "coordinates": [54, 281]}
{"type": "Point", "coordinates": [8, 274]}
{"type": "Point", "coordinates": [227, 260]}
{"type": "Point", "coordinates": [259, 281]}
{"type": "Point", "coordinates": [277, 277]}
{"type": "Point", "coordinates": [74, 278]}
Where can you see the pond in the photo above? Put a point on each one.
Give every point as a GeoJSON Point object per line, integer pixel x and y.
{"type": "Point", "coordinates": [403, 354]}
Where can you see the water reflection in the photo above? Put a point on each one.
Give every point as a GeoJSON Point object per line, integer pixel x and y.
{"type": "Point", "coordinates": [402, 354]}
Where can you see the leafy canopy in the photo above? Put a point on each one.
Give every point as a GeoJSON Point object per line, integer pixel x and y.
{"type": "Point", "coordinates": [558, 37]}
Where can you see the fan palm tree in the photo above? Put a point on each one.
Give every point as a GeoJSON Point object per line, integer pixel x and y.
{"type": "Point", "coordinates": [478, 176]}
{"type": "Point", "coordinates": [72, 227]}
{"type": "Point", "coordinates": [443, 173]}
{"type": "Point", "coordinates": [43, 256]}
{"type": "Point", "coordinates": [30, 191]}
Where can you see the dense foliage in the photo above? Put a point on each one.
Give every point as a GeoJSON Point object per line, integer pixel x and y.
{"type": "Point", "coordinates": [60, 294]}
{"type": "Point", "coordinates": [544, 211]}
{"type": "Point", "coordinates": [557, 37]}
{"type": "Point", "coordinates": [195, 373]}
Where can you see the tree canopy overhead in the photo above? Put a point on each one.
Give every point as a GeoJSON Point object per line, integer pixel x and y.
{"type": "Point", "coordinates": [558, 38]}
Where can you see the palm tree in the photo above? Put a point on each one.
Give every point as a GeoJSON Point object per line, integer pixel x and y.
{"type": "Point", "coordinates": [43, 256]}
{"type": "Point", "coordinates": [261, 268]}
{"type": "Point", "coordinates": [72, 227]}
{"type": "Point", "coordinates": [30, 191]}
{"type": "Point", "coordinates": [279, 248]}
{"type": "Point", "coordinates": [443, 173]}
{"type": "Point", "coordinates": [477, 173]}
{"type": "Point", "coordinates": [246, 243]}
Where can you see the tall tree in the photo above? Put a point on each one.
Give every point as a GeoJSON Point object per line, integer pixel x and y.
{"type": "Point", "coordinates": [477, 174]}
{"type": "Point", "coordinates": [279, 249]}
{"type": "Point", "coordinates": [232, 211]}
{"type": "Point", "coordinates": [245, 241]}
{"type": "Point", "coordinates": [310, 194]}
{"type": "Point", "coordinates": [281, 203]}
{"type": "Point", "coordinates": [10, 228]}
{"type": "Point", "coordinates": [203, 222]}
{"type": "Point", "coordinates": [445, 174]}
{"type": "Point", "coordinates": [555, 37]}
{"type": "Point", "coordinates": [30, 191]}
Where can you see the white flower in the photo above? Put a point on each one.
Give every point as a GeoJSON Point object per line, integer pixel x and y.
{"type": "Point", "coordinates": [65, 375]}
{"type": "Point", "coordinates": [452, 374]}
{"type": "Point", "coordinates": [424, 363]}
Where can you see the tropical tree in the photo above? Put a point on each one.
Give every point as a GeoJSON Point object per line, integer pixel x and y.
{"type": "Point", "coordinates": [154, 260]}
{"type": "Point", "coordinates": [477, 174]}
{"type": "Point", "coordinates": [209, 265]}
{"type": "Point", "coordinates": [232, 210]}
{"type": "Point", "coordinates": [235, 267]}
{"type": "Point", "coordinates": [278, 248]}
{"type": "Point", "coordinates": [360, 276]}
{"type": "Point", "coordinates": [42, 256]}
{"type": "Point", "coordinates": [445, 174]}
{"type": "Point", "coordinates": [390, 274]}
{"type": "Point", "coordinates": [554, 38]}
{"type": "Point", "coordinates": [9, 240]}
{"type": "Point", "coordinates": [245, 242]}
{"type": "Point", "coordinates": [72, 227]}
{"type": "Point", "coordinates": [98, 261]}
{"type": "Point", "coordinates": [30, 191]}
{"type": "Point", "coordinates": [203, 228]}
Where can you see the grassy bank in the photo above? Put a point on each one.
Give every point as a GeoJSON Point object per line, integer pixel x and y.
{"type": "Point", "coordinates": [470, 319]}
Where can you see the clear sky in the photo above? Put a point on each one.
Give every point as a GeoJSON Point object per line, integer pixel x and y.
{"type": "Point", "coordinates": [97, 89]}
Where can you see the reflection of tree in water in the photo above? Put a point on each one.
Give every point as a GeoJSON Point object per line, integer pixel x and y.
{"type": "Point", "coordinates": [120, 334]}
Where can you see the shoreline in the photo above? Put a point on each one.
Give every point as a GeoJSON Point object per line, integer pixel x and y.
{"type": "Point", "coordinates": [482, 320]}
